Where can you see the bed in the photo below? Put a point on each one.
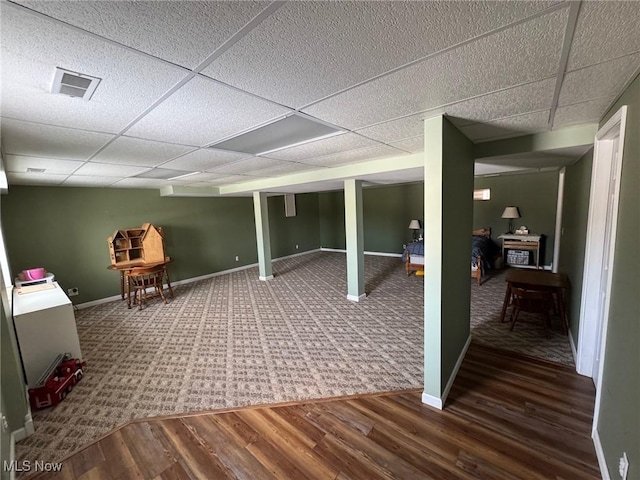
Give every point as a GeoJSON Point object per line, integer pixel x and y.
{"type": "Point", "coordinates": [483, 254]}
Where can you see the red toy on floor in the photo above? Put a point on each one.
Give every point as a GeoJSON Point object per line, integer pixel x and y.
{"type": "Point", "coordinates": [58, 380]}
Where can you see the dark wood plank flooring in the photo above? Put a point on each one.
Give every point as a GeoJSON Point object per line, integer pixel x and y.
{"type": "Point", "coordinates": [507, 417]}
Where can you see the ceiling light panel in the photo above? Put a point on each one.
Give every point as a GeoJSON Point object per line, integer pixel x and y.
{"type": "Point", "coordinates": [204, 111]}
{"type": "Point", "coordinates": [137, 152]}
{"type": "Point", "coordinates": [507, 127]}
{"type": "Point", "coordinates": [326, 146]}
{"type": "Point", "coordinates": [603, 80]}
{"type": "Point", "coordinates": [358, 40]}
{"type": "Point", "coordinates": [199, 28]}
{"type": "Point", "coordinates": [19, 163]}
{"type": "Point", "coordinates": [521, 54]}
{"type": "Point", "coordinates": [131, 82]}
{"type": "Point", "coordinates": [284, 133]}
{"type": "Point", "coordinates": [36, 140]}
{"type": "Point", "coordinates": [616, 21]}
{"type": "Point", "coordinates": [204, 159]}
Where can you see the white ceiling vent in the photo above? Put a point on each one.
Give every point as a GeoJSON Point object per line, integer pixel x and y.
{"type": "Point", "coordinates": [74, 84]}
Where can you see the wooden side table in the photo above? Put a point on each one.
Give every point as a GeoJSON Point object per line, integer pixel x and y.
{"type": "Point", "coordinates": [529, 243]}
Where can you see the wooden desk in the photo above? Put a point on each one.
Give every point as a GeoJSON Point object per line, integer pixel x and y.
{"type": "Point", "coordinates": [557, 283]}
{"type": "Point", "coordinates": [124, 267]}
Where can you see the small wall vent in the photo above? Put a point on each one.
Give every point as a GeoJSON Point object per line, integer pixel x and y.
{"type": "Point", "coordinates": [74, 84]}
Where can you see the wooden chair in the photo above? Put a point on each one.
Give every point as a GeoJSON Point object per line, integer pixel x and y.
{"type": "Point", "coordinates": [532, 301]}
{"type": "Point", "coordinates": [142, 278]}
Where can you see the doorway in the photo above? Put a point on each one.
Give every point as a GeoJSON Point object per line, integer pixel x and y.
{"type": "Point", "coordinates": [600, 246]}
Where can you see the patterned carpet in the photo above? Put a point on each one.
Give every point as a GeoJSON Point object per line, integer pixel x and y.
{"type": "Point", "coordinates": [233, 340]}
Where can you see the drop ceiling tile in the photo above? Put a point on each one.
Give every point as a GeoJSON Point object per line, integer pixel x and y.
{"type": "Point", "coordinates": [229, 179]}
{"type": "Point", "coordinates": [204, 111]}
{"type": "Point", "coordinates": [512, 101]}
{"type": "Point", "coordinates": [204, 159]}
{"type": "Point", "coordinates": [109, 170]}
{"type": "Point", "coordinates": [249, 166]}
{"type": "Point", "coordinates": [521, 54]}
{"type": "Point", "coordinates": [138, 152]}
{"type": "Point", "coordinates": [412, 145]}
{"type": "Point", "coordinates": [89, 181]}
{"type": "Point", "coordinates": [20, 164]}
{"type": "Point", "coordinates": [401, 128]}
{"type": "Point", "coordinates": [286, 168]}
{"type": "Point", "coordinates": [354, 40]}
{"type": "Point", "coordinates": [140, 183]}
{"type": "Point", "coordinates": [580, 113]}
{"type": "Point", "coordinates": [339, 143]}
{"type": "Point", "coordinates": [34, 178]}
{"type": "Point", "coordinates": [507, 127]}
{"type": "Point", "coordinates": [354, 156]}
{"type": "Point", "coordinates": [605, 30]}
{"type": "Point", "coordinates": [130, 82]}
{"type": "Point", "coordinates": [603, 80]}
{"type": "Point", "coordinates": [197, 28]}
{"type": "Point", "coordinates": [37, 140]}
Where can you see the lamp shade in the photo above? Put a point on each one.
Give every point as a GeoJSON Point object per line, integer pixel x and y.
{"type": "Point", "coordinates": [511, 212]}
{"type": "Point", "coordinates": [414, 225]}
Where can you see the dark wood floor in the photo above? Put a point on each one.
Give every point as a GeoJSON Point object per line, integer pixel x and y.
{"type": "Point", "coordinates": [507, 417]}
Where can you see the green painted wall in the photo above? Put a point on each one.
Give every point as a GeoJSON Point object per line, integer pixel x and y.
{"type": "Point", "coordinates": [458, 203]}
{"type": "Point", "coordinates": [302, 230]}
{"type": "Point", "coordinates": [619, 421]}
{"type": "Point", "coordinates": [577, 185]}
{"type": "Point", "coordinates": [535, 195]}
{"type": "Point", "coordinates": [387, 212]}
{"type": "Point", "coordinates": [66, 230]}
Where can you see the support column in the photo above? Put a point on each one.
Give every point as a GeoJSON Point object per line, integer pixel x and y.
{"type": "Point", "coordinates": [354, 233]}
{"type": "Point", "coordinates": [448, 218]}
{"type": "Point", "coordinates": [261, 212]}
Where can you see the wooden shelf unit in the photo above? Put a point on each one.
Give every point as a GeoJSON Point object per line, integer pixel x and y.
{"type": "Point", "coordinates": [144, 244]}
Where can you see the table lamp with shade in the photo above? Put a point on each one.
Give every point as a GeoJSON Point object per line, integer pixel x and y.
{"type": "Point", "coordinates": [511, 213]}
{"type": "Point", "coordinates": [415, 226]}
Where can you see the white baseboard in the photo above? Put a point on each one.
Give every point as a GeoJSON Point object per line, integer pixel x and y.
{"type": "Point", "coordinates": [602, 462]}
{"type": "Point", "coordinates": [356, 298]}
{"type": "Point", "coordinates": [439, 402]}
{"type": "Point", "coordinates": [375, 254]}
{"type": "Point", "coordinates": [186, 281]}
{"type": "Point", "coordinates": [264, 279]}
{"type": "Point", "coordinates": [574, 350]}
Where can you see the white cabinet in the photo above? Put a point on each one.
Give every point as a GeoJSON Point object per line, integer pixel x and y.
{"type": "Point", "coordinates": [45, 327]}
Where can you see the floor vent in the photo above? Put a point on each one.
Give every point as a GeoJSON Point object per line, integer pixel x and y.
{"type": "Point", "coordinates": [74, 84]}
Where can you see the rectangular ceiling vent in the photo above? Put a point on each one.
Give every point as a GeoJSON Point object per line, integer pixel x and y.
{"type": "Point", "coordinates": [74, 84]}
{"type": "Point", "coordinates": [35, 170]}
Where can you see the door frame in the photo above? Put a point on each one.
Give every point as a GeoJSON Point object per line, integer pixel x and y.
{"type": "Point", "coordinates": [605, 180]}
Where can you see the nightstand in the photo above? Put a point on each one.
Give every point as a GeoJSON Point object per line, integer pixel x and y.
{"type": "Point", "coordinates": [516, 248]}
